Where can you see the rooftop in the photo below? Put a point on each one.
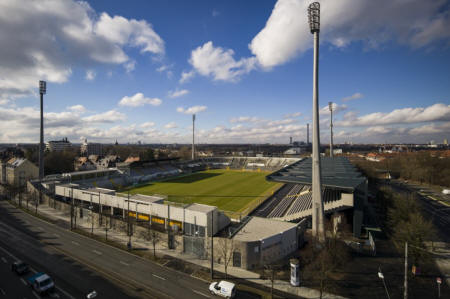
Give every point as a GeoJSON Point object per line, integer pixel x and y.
{"type": "Point", "coordinates": [261, 228]}
{"type": "Point", "coordinates": [147, 198]}
{"type": "Point", "coordinates": [337, 173]}
{"type": "Point", "coordinates": [201, 208]}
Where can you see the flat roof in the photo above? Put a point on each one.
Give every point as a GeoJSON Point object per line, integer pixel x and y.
{"type": "Point", "coordinates": [201, 208]}
{"type": "Point", "coordinates": [262, 228]}
{"type": "Point", "coordinates": [91, 171]}
{"type": "Point", "coordinates": [146, 198]}
{"type": "Point", "coordinates": [337, 173]}
{"type": "Point", "coordinates": [100, 190]}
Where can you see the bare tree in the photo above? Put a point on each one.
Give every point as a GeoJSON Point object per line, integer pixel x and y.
{"type": "Point", "coordinates": [152, 236]}
{"type": "Point", "coordinates": [271, 270]}
{"type": "Point", "coordinates": [224, 251]}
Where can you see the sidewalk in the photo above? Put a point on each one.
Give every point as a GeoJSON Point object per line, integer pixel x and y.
{"type": "Point", "coordinates": [161, 250]}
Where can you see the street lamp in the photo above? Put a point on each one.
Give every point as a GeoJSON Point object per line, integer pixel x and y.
{"type": "Point", "coordinates": [42, 91]}
{"type": "Point", "coordinates": [317, 214]}
{"type": "Point", "coordinates": [330, 106]}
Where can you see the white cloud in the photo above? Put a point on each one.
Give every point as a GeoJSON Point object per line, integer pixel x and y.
{"type": "Point", "coordinates": [139, 100]}
{"type": "Point", "coordinates": [69, 35]}
{"type": "Point", "coordinates": [90, 75]}
{"type": "Point", "coordinates": [191, 110]}
{"type": "Point", "coordinates": [130, 66]}
{"type": "Point", "coordinates": [186, 76]}
{"type": "Point", "coordinates": [219, 63]}
{"type": "Point", "coordinates": [77, 108]}
{"type": "Point", "coordinates": [178, 93]}
{"type": "Point", "coordinates": [291, 115]}
{"type": "Point", "coordinates": [436, 112]}
{"type": "Point", "coordinates": [171, 125]}
{"type": "Point", "coordinates": [354, 96]}
{"type": "Point", "coordinates": [122, 31]}
{"type": "Point", "coordinates": [245, 119]}
{"type": "Point", "coordinates": [336, 109]}
{"type": "Point", "coordinates": [110, 116]}
{"type": "Point", "coordinates": [148, 124]}
{"type": "Point", "coordinates": [286, 34]}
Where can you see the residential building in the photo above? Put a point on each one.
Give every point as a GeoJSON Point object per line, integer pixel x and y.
{"type": "Point", "coordinates": [16, 171]}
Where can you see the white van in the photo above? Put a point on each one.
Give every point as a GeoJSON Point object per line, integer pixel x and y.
{"type": "Point", "coordinates": [224, 288]}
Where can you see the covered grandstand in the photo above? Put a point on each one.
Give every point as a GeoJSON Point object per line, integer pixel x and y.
{"type": "Point", "coordinates": [344, 188]}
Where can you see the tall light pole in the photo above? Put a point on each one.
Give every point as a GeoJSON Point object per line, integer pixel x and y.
{"type": "Point", "coordinates": [317, 215]}
{"type": "Point", "coordinates": [330, 105]}
{"type": "Point", "coordinates": [193, 131]}
{"type": "Point", "coordinates": [42, 91]}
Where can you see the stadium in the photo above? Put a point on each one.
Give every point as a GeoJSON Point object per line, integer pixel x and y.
{"type": "Point", "coordinates": [256, 201]}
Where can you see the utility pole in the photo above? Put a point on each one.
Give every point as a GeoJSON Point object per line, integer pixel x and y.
{"type": "Point", "coordinates": [212, 245]}
{"type": "Point", "coordinates": [330, 105]}
{"type": "Point", "coordinates": [71, 210]}
{"type": "Point", "coordinates": [42, 91]}
{"type": "Point", "coordinates": [317, 215]}
{"type": "Point", "coordinates": [193, 132]}
{"type": "Point", "coordinates": [405, 294]}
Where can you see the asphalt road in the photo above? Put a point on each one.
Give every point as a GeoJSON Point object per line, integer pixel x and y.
{"type": "Point", "coordinates": [79, 264]}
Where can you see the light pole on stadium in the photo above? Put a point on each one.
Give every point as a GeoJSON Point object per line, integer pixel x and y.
{"type": "Point", "coordinates": [317, 213]}
{"type": "Point", "coordinates": [42, 91]}
{"type": "Point", "coordinates": [330, 106]}
{"type": "Point", "coordinates": [193, 131]}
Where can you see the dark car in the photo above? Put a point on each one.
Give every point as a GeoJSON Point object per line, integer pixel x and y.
{"type": "Point", "coordinates": [20, 267]}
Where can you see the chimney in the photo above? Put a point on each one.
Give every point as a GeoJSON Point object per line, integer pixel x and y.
{"type": "Point", "coordinates": [290, 140]}
{"type": "Point", "coordinates": [307, 133]}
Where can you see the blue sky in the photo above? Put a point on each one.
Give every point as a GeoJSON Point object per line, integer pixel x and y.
{"type": "Point", "coordinates": [137, 70]}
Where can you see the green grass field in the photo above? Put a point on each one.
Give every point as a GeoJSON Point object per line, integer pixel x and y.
{"type": "Point", "coordinates": [229, 190]}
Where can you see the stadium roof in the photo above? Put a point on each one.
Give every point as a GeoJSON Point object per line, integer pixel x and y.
{"type": "Point", "coordinates": [337, 173]}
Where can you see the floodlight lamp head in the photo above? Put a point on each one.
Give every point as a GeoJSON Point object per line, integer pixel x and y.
{"type": "Point", "coordinates": [42, 87]}
{"type": "Point", "coordinates": [330, 106]}
{"type": "Point", "coordinates": [314, 17]}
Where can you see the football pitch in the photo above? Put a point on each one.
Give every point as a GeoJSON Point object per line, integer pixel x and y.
{"type": "Point", "coordinates": [229, 190]}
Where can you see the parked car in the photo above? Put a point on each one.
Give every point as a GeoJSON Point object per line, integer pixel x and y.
{"type": "Point", "coordinates": [20, 267]}
{"type": "Point", "coordinates": [223, 288]}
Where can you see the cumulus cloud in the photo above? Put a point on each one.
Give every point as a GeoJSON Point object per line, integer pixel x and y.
{"type": "Point", "coordinates": [436, 112]}
{"type": "Point", "coordinates": [191, 110]}
{"type": "Point", "coordinates": [171, 125]}
{"type": "Point", "coordinates": [291, 115]}
{"type": "Point", "coordinates": [90, 75]}
{"type": "Point", "coordinates": [244, 119]}
{"type": "Point", "coordinates": [354, 96]}
{"type": "Point", "coordinates": [77, 108]}
{"type": "Point", "coordinates": [148, 124]}
{"type": "Point", "coordinates": [139, 100]}
{"type": "Point", "coordinates": [69, 35]}
{"type": "Point", "coordinates": [110, 116]}
{"type": "Point", "coordinates": [178, 93]}
{"type": "Point", "coordinates": [186, 76]}
{"type": "Point", "coordinates": [219, 63]}
{"type": "Point", "coordinates": [286, 33]}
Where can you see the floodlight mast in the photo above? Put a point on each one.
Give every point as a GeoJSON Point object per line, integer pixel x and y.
{"type": "Point", "coordinates": [317, 213]}
{"type": "Point", "coordinates": [330, 106]}
{"type": "Point", "coordinates": [42, 91]}
{"type": "Point", "coordinates": [193, 132]}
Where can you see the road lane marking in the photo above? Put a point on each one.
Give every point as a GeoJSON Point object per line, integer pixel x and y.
{"type": "Point", "coordinates": [4, 260]}
{"type": "Point", "coordinates": [159, 277]}
{"type": "Point", "coordinates": [97, 252]}
{"type": "Point", "coordinates": [36, 295]}
{"type": "Point", "coordinates": [23, 281]}
{"type": "Point", "coordinates": [75, 243]}
{"type": "Point", "coordinates": [56, 235]}
{"type": "Point", "coordinates": [54, 295]}
{"type": "Point", "coordinates": [123, 263]}
{"type": "Point", "coordinates": [200, 293]}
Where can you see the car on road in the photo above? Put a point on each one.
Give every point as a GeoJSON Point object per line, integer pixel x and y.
{"type": "Point", "coordinates": [41, 283]}
{"type": "Point", "coordinates": [20, 267]}
{"type": "Point", "coordinates": [223, 288]}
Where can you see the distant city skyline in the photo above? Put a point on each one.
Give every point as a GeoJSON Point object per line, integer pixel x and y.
{"type": "Point", "coordinates": [138, 71]}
